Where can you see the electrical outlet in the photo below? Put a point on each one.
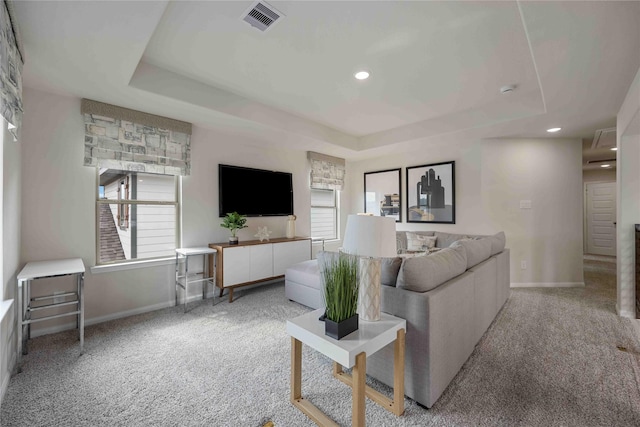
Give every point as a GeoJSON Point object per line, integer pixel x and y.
{"type": "Point", "coordinates": [523, 265]}
{"type": "Point", "coordinates": [58, 300]}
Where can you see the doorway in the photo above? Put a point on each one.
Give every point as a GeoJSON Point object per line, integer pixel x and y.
{"type": "Point", "coordinates": [600, 218]}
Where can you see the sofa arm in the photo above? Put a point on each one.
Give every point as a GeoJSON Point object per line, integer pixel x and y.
{"type": "Point", "coordinates": [439, 336]}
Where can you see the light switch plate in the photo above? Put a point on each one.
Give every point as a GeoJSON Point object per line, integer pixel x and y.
{"type": "Point", "coordinates": [525, 204]}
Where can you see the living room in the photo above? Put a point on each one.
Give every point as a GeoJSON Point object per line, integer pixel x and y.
{"type": "Point", "coordinates": [49, 196]}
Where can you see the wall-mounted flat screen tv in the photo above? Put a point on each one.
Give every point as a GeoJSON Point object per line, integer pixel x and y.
{"type": "Point", "coordinates": [254, 192]}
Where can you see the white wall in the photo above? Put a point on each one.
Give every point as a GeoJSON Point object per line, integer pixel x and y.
{"type": "Point", "coordinates": [59, 206]}
{"type": "Point", "coordinates": [599, 175]}
{"type": "Point", "coordinates": [58, 203]}
{"type": "Point", "coordinates": [11, 224]}
{"type": "Point", "coordinates": [628, 197]}
{"type": "Point", "coordinates": [492, 177]}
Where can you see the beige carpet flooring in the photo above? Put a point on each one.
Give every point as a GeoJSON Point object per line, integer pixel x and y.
{"type": "Point", "coordinates": [552, 357]}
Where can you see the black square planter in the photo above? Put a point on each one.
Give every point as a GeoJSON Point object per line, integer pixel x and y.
{"type": "Point", "coordinates": [341, 329]}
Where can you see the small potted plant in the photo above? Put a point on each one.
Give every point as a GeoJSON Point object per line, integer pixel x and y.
{"type": "Point", "coordinates": [341, 296]}
{"type": "Point", "coordinates": [234, 222]}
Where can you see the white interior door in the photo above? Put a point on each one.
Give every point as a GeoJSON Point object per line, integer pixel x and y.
{"type": "Point", "coordinates": [601, 217]}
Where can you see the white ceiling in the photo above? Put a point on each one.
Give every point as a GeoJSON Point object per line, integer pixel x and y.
{"type": "Point", "coordinates": [436, 67]}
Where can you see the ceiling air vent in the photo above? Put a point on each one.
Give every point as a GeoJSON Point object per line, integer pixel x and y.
{"type": "Point", "coordinates": [262, 16]}
{"type": "Point", "coordinates": [604, 138]}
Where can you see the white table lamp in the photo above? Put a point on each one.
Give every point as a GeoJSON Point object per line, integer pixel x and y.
{"type": "Point", "coordinates": [370, 238]}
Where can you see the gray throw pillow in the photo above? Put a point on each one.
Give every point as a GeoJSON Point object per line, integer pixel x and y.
{"type": "Point", "coordinates": [476, 250]}
{"type": "Point", "coordinates": [389, 270]}
{"type": "Point", "coordinates": [423, 273]}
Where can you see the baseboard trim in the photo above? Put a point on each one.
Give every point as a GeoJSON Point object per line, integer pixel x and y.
{"type": "Point", "coordinates": [4, 386]}
{"type": "Point", "coordinates": [11, 368]}
{"type": "Point", "coordinates": [625, 313]}
{"type": "Point", "coordinates": [548, 285]}
{"type": "Point", "coordinates": [96, 320]}
{"type": "Point", "coordinates": [113, 316]}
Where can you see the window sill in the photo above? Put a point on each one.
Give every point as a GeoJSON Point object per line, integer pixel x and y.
{"type": "Point", "coordinates": [132, 265]}
{"type": "Point", "coordinates": [319, 241]}
{"type": "Point", "coordinates": [4, 308]}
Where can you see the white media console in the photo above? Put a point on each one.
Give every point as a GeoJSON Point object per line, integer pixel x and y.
{"type": "Point", "coordinates": [254, 261]}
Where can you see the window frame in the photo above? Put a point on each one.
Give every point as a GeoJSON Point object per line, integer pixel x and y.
{"type": "Point", "coordinates": [123, 208]}
{"type": "Point", "coordinates": [336, 212]}
{"type": "Point", "coordinates": [177, 180]}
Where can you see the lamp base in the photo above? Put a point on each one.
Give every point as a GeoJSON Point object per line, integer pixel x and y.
{"type": "Point", "coordinates": [369, 289]}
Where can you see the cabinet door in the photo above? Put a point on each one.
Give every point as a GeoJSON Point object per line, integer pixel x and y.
{"type": "Point", "coordinates": [235, 265]}
{"type": "Point", "coordinates": [261, 261]}
{"type": "Point", "coordinates": [286, 254]}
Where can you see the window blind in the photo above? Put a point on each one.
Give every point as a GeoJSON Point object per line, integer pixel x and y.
{"type": "Point", "coordinates": [327, 172]}
{"type": "Point", "coordinates": [123, 139]}
{"type": "Point", "coordinates": [11, 62]}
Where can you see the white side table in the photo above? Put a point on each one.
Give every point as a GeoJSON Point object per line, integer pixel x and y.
{"type": "Point", "coordinates": [350, 351]}
{"type": "Point", "coordinates": [185, 279]}
{"type": "Point", "coordinates": [41, 270]}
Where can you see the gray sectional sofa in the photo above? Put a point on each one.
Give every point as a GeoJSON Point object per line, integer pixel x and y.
{"type": "Point", "coordinates": [449, 298]}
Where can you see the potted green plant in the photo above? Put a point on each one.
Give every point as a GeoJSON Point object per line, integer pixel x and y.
{"type": "Point", "coordinates": [341, 296]}
{"type": "Point", "coordinates": [234, 222]}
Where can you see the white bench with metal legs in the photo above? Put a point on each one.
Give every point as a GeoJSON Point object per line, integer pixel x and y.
{"type": "Point", "coordinates": [184, 280]}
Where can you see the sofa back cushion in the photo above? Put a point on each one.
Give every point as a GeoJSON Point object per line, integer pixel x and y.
{"type": "Point", "coordinates": [498, 242]}
{"type": "Point", "coordinates": [477, 250]}
{"type": "Point", "coordinates": [444, 240]}
{"type": "Point", "coordinates": [423, 273]}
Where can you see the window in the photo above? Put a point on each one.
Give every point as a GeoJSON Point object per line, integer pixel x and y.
{"type": "Point", "coordinates": [137, 216]}
{"type": "Point", "coordinates": [324, 214]}
{"type": "Point", "coordinates": [123, 208]}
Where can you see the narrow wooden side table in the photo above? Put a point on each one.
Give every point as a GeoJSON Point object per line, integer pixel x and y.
{"type": "Point", "coordinates": [350, 351]}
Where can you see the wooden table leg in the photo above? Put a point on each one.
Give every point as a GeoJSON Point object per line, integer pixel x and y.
{"type": "Point", "coordinates": [358, 374]}
{"type": "Point", "coordinates": [308, 408]}
{"type": "Point", "coordinates": [398, 373]}
{"type": "Point", "coordinates": [337, 369]}
{"type": "Point", "coordinates": [296, 370]}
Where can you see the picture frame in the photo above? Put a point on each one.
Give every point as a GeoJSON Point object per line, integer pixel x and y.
{"type": "Point", "coordinates": [431, 193]}
{"type": "Point", "coordinates": [382, 196]}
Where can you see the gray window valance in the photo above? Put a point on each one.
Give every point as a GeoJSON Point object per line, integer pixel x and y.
{"type": "Point", "coordinates": [11, 62]}
{"type": "Point", "coordinates": [327, 172]}
{"type": "Point", "coordinates": [124, 139]}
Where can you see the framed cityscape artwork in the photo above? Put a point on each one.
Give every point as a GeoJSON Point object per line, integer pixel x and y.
{"type": "Point", "coordinates": [431, 193]}
{"type": "Point", "coordinates": [382, 193]}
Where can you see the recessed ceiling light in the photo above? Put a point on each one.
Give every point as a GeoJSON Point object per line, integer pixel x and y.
{"type": "Point", "coordinates": [361, 75]}
{"type": "Point", "coordinates": [553, 130]}
{"type": "Point", "coordinates": [614, 149]}
{"type": "Point", "coordinates": [605, 166]}
{"type": "Point", "coordinates": [507, 89]}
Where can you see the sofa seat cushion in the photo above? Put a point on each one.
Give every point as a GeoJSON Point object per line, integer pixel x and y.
{"type": "Point", "coordinates": [423, 273]}
{"type": "Point", "coordinates": [305, 273]}
{"type": "Point", "coordinates": [477, 250]}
